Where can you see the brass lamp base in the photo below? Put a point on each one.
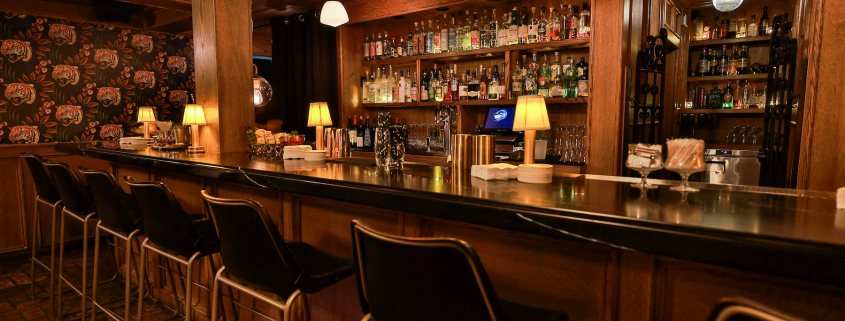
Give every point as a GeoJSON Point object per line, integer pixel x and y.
{"type": "Point", "coordinates": [530, 136]}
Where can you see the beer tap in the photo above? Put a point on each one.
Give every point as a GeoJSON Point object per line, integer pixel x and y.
{"type": "Point", "coordinates": [443, 117]}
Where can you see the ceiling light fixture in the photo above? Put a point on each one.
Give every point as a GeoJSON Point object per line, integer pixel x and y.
{"type": "Point", "coordinates": [333, 14]}
{"type": "Point", "coordinates": [726, 5]}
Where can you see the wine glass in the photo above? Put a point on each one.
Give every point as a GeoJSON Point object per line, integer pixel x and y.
{"type": "Point", "coordinates": [686, 157]}
{"type": "Point", "coordinates": [644, 159]}
{"type": "Point", "coordinates": [164, 128]}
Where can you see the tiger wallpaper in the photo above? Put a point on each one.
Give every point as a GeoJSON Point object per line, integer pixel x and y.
{"type": "Point", "coordinates": [72, 81]}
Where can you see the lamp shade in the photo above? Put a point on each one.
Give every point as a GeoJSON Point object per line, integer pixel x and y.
{"type": "Point", "coordinates": [318, 115]}
{"type": "Point", "coordinates": [727, 5]}
{"type": "Point", "coordinates": [333, 14]}
{"type": "Point", "coordinates": [531, 114]}
{"type": "Point", "coordinates": [193, 115]}
{"type": "Point", "coordinates": [146, 114]}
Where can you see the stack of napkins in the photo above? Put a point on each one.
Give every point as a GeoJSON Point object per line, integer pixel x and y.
{"type": "Point", "coordinates": [535, 173]}
{"type": "Point", "coordinates": [296, 151]}
{"type": "Point", "coordinates": [494, 171]}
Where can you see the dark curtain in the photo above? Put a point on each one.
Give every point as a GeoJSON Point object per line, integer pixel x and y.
{"type": "Point", "coordinates": [304, 69]}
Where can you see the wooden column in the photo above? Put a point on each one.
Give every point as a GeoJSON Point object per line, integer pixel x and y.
{"type": "Point", "coordinates": [223, 55]}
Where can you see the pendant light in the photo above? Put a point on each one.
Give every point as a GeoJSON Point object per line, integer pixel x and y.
{"type": "Point", "coordinates": [726, 5]}
{"type": "Point", "coordinates": [261, 90]}
{"type": "Point", "coordinates": [333, 14]}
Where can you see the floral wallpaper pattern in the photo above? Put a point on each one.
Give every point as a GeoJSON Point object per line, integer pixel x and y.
{"type": "Point", "coordinates": [73, 81]}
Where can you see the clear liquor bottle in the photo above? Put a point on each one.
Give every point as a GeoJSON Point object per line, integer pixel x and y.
{"type": "Point", "coordinates": [453, 34]}
{"type": "Point", "coordinates": [394, 87]}
{"type": "Point", "coordinates": [474, 33]}
{"type": "Point", "coordinates": [459, 33]}
{"type": "Point", "coordinates": [409, 47]}
{"type": "Point", "coordinates": [542, 29]}
{"type": "Point", "coordinates": [401, 86]}
{"type": "Point", "coordinates": [493, 85]}
{"type": "Point", "coordinates": [753, 27]}
{"type": "Point", "coordinates": [504, 30]}
{"type": "Point", "coordinates": [456, 95]}
{"type": "Point", "coordinates": [733, 25]}
{"type": "Point", "coordinates": [444, 36]}
{"type": "Point", "coordinates": [435, 39]}
{"type": "Point", "coordinates": [571, 79]}
{"type": "Point", "coordinates": [532, 26]}
{"type": "Point", "coordinates": [584, 22]}
{"type": "Point", "coordinates": [421, 39]}
{"type": "Point", "coordinates": [446, 83]}
{"type": "Point", "coordinates": [742, 25]}
{"type": "Point", "coordinates": [416, 41]}
{"type": "Point", "coordinates": [544, 79]}
{"type": "Point", "coordinates": [373, 91]}
{"type": "Point", "coordinates": [573, 23]}
{"type": "Point", "coordinates": [409, 82]}
{"type": "Point", "coordinates": [516, 82]}
{"type": "Point", "coordinates": [429, 39]}
{"type": "Point", "coordinates": [482, 31]}
{"type": "Point", "coordinates": [493, 31]}
{"type": "Point", "coordinates": [554, 26]}
{"type": "Point", "coordinates": [565, 16]}
{"type": "Point", "coordinates": [556, 65]}
{"type": "Point", "coordinates": [467, 44]}
{"type": "Point", "coordinates": [393, 52]}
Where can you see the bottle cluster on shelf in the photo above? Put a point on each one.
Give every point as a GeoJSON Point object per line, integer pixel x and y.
{"type": "Point", "coordinates": [361, 132]}
{"type": "Point", "coordinates": [740, 96]}
{"type": "Point", "coordinates": [729, 28]}
{"type": "Point", "coordinates": [470, 33]}
{"type": "Point", "coordinates": [711, 63]}
{"type": "Point", "coordinates": [550, 79]}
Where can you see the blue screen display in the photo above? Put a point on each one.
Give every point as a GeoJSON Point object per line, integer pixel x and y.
{"type": "Point", "coordinates": [500, 118]}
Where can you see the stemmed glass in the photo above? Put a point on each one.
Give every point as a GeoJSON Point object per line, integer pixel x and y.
{"type": "Point", "coordinates": [644, 159]}
{"type": "Point", "coordinates": [164, 127]}
{"type": "Point", "coordinates": [686, 157]}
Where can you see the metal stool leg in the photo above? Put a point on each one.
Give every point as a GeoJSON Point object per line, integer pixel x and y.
{"type": "Point", "coordinates": [214, 268]}
{"type": "Point", "coordinates": [34, 248]}
{"type": "Point", "coordinates": [189, 288]}
{"type": "Point", "coordinates": [85, 265]}
{"type": "Point", "coordinates": [61, 263]}
{"type": "Point", "coordinates": [96, 269]}
{"type": "Point", "coordinates": [143, 266]}
{"type": "Point", "coordinates": [53, 256]}
{"type": "Point", "coordinates": [215, 294]}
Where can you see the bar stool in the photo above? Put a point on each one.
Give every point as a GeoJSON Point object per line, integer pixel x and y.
{"type": "Point", "coordinates": [742, 309]}
{"type": "Point", "coordinates": [78, 204]}
{"type": "Point", "coordinates": [171, 233]}
{"type": "Point", "coordinates": [119, 217]}
{"type": "Point", "coordinates": [255, 253]}
{"type": "Point", "coordinates": [48, 195]}
{"type": "Point", "coordinates": [418, 279]}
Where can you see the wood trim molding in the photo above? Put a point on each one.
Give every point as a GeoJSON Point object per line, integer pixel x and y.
{"type": "Point", "coordinates": [813, 29]}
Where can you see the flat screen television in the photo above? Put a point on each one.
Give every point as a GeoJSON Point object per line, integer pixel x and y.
{"type": "Point", "coordinates": [499, 119]}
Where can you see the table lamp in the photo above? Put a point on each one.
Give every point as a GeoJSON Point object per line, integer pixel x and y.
{"type": "Point", "coordinates": [530, 115]}
{"type": "Point", "coordinates": [194, 116]}
{"type": "Point", "coordinates": [145, 115]}
{"type": "Point", "coordinates": [318, 116]}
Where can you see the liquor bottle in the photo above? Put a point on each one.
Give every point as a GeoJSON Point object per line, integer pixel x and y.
{"type": "Point", "coordinates": [372, 92]}
{"type": "Point", "coordinates": [453, 33]}
{"type": "Point", "coordinates": [407, 89]}
{"type": "Point", "coordinates": [473, 87]}
{"type": "Point", "coordinates": [414, 89]}
{"type": "Point", "coordinates": [394, 87]}
{"type": "Point", "coordinates": [400, 47]}
{"type": "Point", "coordinates": [714, 63]}
{"type": "Point", "coordinates": [438, 89]}
{"type": "Point", "coordinates": [571, 79]}
{"type": "Point", "coordinates": [475, 41]}
{"type": "Point", "coordinates": [503, 31]}
{"type": "Point", "coordinates": [544, 79]}
{"type": "Point", "coordinates": [565, 16]}
{"type": "Point", "coordinates": [372, 47]}
{"type": "Point", "coordinates": [368, 135]}
{"type": "Point", "coordinates": [554, 26]}
{"type": "Point", "coordinates": [409, 47]}
{"type": "Point", "coordinates": [697, 26]}
{"type": "Point", "coordinates": [742, 25]}
{"type": "Point", "coordinates": [584, 22]}
{"type": "Point", "coordinates": [753, 27]}
{"type": "Point", "coordinates": [432, 84]}
{"type": "Point", "coordinates": [742, 67]}
{"type": "Point", "coordinates": [715, 32]}
{"type": "Point", "coordinates": [416, 41]}
{"type": "Point", "coordinates": [704, 64]}
{"type": "Point", "coordinates": [581, 66]}
{"type": "Point", "coordinates": [435, 39]}
{"type": "Point", "coordinates": [733, 62]}
{"type": "Point", "coordinates": [380, 86]}
{"type": "Point", "coordinates": [542, 29]}
{"type": "Point", "coordinates": [503, 90]}
{"type": "Point", "coordinates": [584, 83]}
{"type": "Point", "coordinates": [366, 48]}
{"type": "Point", "coordinates": [483, 29]}
{"type": "Point", "coordinates": [705, 33]}
{"type": "Point", "coordinates": [444, 36]}
{"type": "Point", "coordinates": [429, 39]}
{"type": "Point", "coordinates": [556, 87]}
{"type": "Point", "coordinates": [359, 133]}
{"type": "Point", "coordinates": [493, 31]}
{"type": "Point", "coordinates": [530, 82]}
{"type": "Point", "coordinates": [555, 66]}
{"type": "Point", "coordinates": [513, 29]}
{"type": "Point", "coordinates": [424, 86]}
{"type": "Point", "coordinates": [723, 61]}
{"type": "Point", "coordinates": [493, 85]}
{"type": "Point", "coordinates": [353, 132]}
{"type": "Point", "coordinates": [483, 84]}
{"type": "Point", "coordinates": [522, 32]}
{"type": "Point", "coordinates": [463, 89]}
{"type": "Point", "coordinates": [446, 83]}
{"type": "Point", "coordinates": [385, 46]}
{"type": "Point", "coordinates": [467, 44]}
{"type": "Point", "coordinates": [516, 82]}
{"type": "Point", "coordinates": [393, 51]}
{"type": "Point", "coordinates": [532, 26]}
{"type": "Point", "coordinates": [732, 25]}
{"type": "Point", "coordinates": [728, 101]}
{"type": "Point", "coordinates": [724, 28]}
{"type": "Point", "coordinates": [378, 47]}
{"type": "Point", "coordinates": [401, 86]}
{"type": "Point", "coordinates": [573, 23]}
{"type": "Point", "coordinates": [765, 28]}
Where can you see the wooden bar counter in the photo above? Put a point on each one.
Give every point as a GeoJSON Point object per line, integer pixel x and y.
{"type": "Point", "coordinates": [589, 245]}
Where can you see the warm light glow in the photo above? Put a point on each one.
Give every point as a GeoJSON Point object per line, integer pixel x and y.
{"type": "Point", "coordinates": [318, 115]}
{"type": "Point", "coordinates": [531, 114]}
{"type": "Point", "coordinates": [194, 115]}
{"type": "Point", "coordinates": [727, 5]}
{"type": "Point", "coordinates": [256, 92]}
{"type": "Point", "coordinates": [333, 14]}
{"type": "Point", "coordinates": [146, 114]}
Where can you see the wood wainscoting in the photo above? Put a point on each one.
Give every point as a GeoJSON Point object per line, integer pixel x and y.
{"type": "Point", "coordinates": [588, 281]}
{"type": "Point", "coordinates": [17, 199]}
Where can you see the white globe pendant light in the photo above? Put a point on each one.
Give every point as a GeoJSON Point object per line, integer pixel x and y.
{"type": "Point", "coordinates": [726, 5]}
{"type": "Point", "coordinates": [333, 14]}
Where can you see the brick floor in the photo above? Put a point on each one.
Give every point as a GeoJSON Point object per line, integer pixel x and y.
{"type": "Point", "coordinates": [17, 303]}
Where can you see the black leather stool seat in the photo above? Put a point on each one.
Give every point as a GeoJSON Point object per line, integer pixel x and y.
{"type": "Point", "coordinates": [515, 311]}
{"type": "Point", "coordinates": [319, 269]}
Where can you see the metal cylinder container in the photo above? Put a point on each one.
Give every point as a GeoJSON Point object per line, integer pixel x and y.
{"type": "Point", "coordinates": [462, 151]}
{"type": "Point", "coordinates": [483, 149]}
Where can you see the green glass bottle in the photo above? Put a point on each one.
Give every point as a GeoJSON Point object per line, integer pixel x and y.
{"type": "Point", "coordinates": [728, 97]}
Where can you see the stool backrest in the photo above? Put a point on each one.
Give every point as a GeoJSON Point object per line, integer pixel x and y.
{"type": "Point", "coordinates": [416, 279]}
{"type": "Point", "coordinates": [75, 195]}
{"type": "Point", "coordinates": [165, 222]}
{"type": "Point", "coordinates": [251, 246]}
{"type": "Point", "coordinates": [117, 211]}
{"type": "Point", "coordinates": [41, 177]}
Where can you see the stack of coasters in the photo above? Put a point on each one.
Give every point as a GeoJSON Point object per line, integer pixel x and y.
{"type": "Point", "coordinates": [494, 171]}
{"type": "Point", "coordinates": [535, 173]}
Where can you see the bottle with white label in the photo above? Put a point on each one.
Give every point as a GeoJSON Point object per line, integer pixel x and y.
{"type": "Point", "coordinates": [401, 87]}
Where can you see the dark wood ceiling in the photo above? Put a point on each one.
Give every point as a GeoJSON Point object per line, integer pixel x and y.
{"type": "Point", "coordinates": [171, 16]}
